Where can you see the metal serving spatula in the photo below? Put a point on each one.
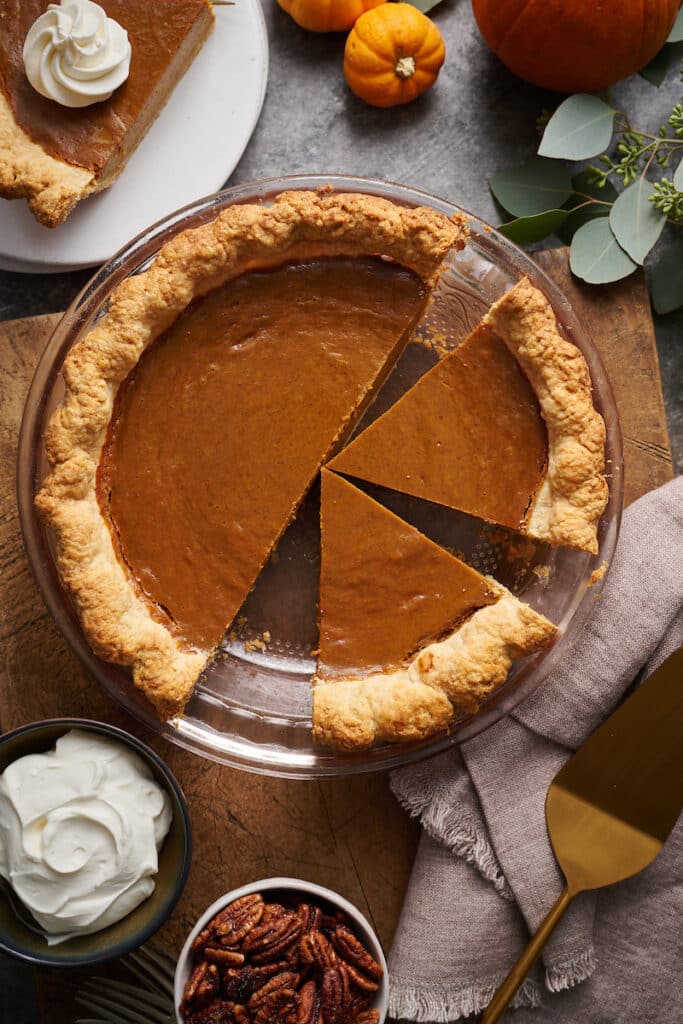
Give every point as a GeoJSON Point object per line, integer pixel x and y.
{"type": "Point", "coordinates": [612, 806]}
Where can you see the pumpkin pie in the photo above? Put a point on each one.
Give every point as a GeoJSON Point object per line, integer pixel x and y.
{"type": "Point", "coordinates": [53, 155]}
{"type": "Point", "coordinates": [407, 630]}
{"type": "Point", "coordinates": [202, 405]}
{"type": "Point", "coordinates": [503, 428]}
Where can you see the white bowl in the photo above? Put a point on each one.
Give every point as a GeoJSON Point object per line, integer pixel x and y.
{"type": "Point", "coordinates": [311, 893]}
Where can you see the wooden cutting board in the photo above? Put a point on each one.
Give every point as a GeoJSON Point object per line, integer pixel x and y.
{"type": "Point", "coordinates": [347, 834]}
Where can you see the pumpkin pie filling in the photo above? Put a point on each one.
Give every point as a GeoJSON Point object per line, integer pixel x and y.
{"type": "Point", "coordinates": [386, 590]}
{"type": "Point", "coordinates": [468, 435]}
{"type": "Point", "coordinates": [223, 424]}
{"type": "Point", "coordinates": [164, 39]}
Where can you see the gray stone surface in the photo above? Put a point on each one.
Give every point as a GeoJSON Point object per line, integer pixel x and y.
{"type": "Point", "coordinates": [479, 118]}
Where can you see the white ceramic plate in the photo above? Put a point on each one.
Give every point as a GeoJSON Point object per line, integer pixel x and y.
{"type": "Point", "coordinates": [189, 151]}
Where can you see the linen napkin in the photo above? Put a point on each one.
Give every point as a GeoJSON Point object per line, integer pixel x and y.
{"type": "Point", "coordinates": [485, 875]}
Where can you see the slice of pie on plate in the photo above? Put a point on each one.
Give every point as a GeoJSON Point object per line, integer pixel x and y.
{"type": "Point", "coordinates": [200, 408]}
{"type": "Point", "coordinates": [54, 155]}
{"type": "Point", "coordinates": [503, 428]}
{"type": "Point", "coordinates": [407, 630]}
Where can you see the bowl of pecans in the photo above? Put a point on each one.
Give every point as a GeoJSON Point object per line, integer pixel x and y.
{"type": "Point", "coordinates": [281, 951]}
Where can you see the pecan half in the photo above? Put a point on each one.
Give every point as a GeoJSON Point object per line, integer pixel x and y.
{"type": "Point", "coordinates": [309, 1010]}
{"type": "Point", "coordinates": [271, 940]}
{"type": "Point", "coordinates": [314, 948]}
{"type": "Point", "coordinates": [225, 957]}
{"type": "Point", "coordinates": [355, 954]}
{"type": "Point", "coordinates": [334, 995]}
{"type": "Point", "coordinates": [367, 1017]}
{"type": "Point", "coordinates": [239, 918]}
{"type": "Point", "coordinates": [288, 979]}
{"type": "Point", "coordinates": [310, 917]}
{"type": "Point", "coordinates": [201, 988]}
{"type": "Point", "coordinates": [277, 1007]}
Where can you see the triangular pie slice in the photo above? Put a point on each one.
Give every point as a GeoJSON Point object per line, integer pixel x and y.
{"type": "Point", "coordinates": [503, 428]}
{"type": "Point", "coordinates": [199, 410]}
{"type": "Point", "coordinates": [407, 630]}
{"type": "Point", "coordinates": [53, 155]}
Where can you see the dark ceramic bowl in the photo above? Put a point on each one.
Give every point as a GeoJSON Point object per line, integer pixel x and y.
{"type": "Point", "coordinates": [174, 860]}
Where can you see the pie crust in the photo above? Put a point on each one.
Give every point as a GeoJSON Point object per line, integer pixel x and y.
{"type": "Point", "coordinates": [418, 701]}
{"type": "Point", "coordinates": [120, 624]}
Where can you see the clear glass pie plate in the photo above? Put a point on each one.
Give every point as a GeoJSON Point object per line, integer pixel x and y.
{"type": "Point", "coordinates": [252, 707]}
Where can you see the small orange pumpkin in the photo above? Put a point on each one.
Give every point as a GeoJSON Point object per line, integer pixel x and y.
{"type": "Point", "coordinates": [575, 45]}
{"type": "Point", "coordinates": [393, 54]}
{"type": "Point", "coordinates": [327, 15]}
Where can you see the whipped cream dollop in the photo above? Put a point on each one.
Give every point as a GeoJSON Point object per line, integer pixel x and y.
{"type": "Point", "coordinates": [75, 54]}
{"type": "Point", "coordinates": [80, 831]}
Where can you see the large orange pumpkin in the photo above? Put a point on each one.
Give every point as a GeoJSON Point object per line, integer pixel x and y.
{"type": "Point", "coordinates": [327, 15]}
{"type": "Point", "coordinates": [575, 45]}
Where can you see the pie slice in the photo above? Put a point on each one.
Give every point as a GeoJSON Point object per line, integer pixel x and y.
{"type": "Point", "coordinates": [407, 630]}
{"type": "Point", "coordinates": [200, 408]}
{"type": "Point", "coordinates": [54, 155]}
{"type": "Point", "coordinates": [503, 428]}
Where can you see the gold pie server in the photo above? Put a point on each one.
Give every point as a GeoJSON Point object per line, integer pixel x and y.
{"type": "Point", "coordinates": [611, 807]}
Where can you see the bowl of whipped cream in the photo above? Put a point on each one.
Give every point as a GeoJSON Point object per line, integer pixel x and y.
{"type": "Point", "coordinates": [95, 842]}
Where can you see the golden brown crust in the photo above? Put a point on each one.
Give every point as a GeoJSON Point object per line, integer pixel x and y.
{"type": "Point", "coordinates": [52, 187]}
{"type": "Point", "coordinates": [295, 225]}
{"type": "Point", "coordinates": [417, 702]}
{"type": "Point", "coordinates": [574, 493]}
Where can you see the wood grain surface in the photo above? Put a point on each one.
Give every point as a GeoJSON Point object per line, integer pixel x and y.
{"type": "Point", "coordinates": [347, 834]}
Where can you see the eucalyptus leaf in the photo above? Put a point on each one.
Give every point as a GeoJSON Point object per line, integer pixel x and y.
{"type": "Point", "coordinates": [678, 176]}
{"type": "Point", "coordinates": [596, 256]}
{"type": "Point", "coordinates": [667, 279]}
{"type": "Point", "coordinates": [581, 127]}
{"type": "Point", "coordinates": [676, 33]}
{"type": "Point", "coordinates": [635, 222]}
{"type": "Point", "coordinates": [532, 188]}
{"type": "Point", "coordinates": [525, 230]}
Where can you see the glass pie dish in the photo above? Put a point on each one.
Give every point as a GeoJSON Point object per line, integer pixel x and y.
{"type": "Point", "coordinates": [252, 707]}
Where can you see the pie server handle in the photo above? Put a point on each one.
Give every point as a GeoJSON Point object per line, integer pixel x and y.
{"type": "Point", "coordinates": [496, 1007]}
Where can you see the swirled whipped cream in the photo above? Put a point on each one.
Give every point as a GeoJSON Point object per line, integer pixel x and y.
{"type": "Point", "coordinates": [75, 54]}
{"type": "Point", "coordinates": [80, 831]}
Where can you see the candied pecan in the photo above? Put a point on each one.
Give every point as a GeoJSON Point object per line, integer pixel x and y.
{"type": "Point", "coordinates": [357, 978]}
{"type": "Point", "coordinates": [201, 987]}
{"type": "Point", "coordinates": [366, 1017]}
{"type": "Point", "coordinates": [309, 916]}
{"type": "Point", "coordinates": [240, 1015]}
{"type": "Point", "coordinates": [314, 948]}
{"type": "Point", "coordinates": [270, 941]}
{"type": "Point", "coordinates": [354, 953]}
{"type": "Point", "coordinates": [226, 957]}
{"type": "Point", "coordinates": [277, 1007]}
{"type": "Point", "coordinates": [219, 1012]}
{"type": "Point", "coordinates": [309, 1010]}
{"type": "Point", "coordinates": [202, 940]}
{"type": "Point", "coordinates": [334, 995]}
{"type": "Point", "coordinates": [273, 911]}
{"type": "Point", "coordinates": [239, 918]}
{"type": "Point", "coordinates": [288, 979]}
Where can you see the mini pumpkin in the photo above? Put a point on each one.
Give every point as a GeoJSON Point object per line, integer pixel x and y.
{"type": "Point", "coordinates": [575, 45]}
{"type": "Point", "coordinates": [327, 15]}
{"type": "Point", "coordinates": [393, 54]}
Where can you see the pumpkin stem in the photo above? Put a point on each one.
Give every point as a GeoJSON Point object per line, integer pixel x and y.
{"type": "Point", "coordinates": [405, 67]}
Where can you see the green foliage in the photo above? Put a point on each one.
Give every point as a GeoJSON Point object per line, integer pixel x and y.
{"type": "Point", "coordinates": [596, 256]}
{"type": "Point", "coordinates": [612, 212]}
{"type": "Point", "coordinates": [634, 220]}
{"type": "Point", "coordinates": [667, 279]}
{"type": "Point", "coordinates": [532, 188]}
{"type": "Point", "coordinates": [581, 127]}
{"type": "Point", "coordinates": [525, 230]}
